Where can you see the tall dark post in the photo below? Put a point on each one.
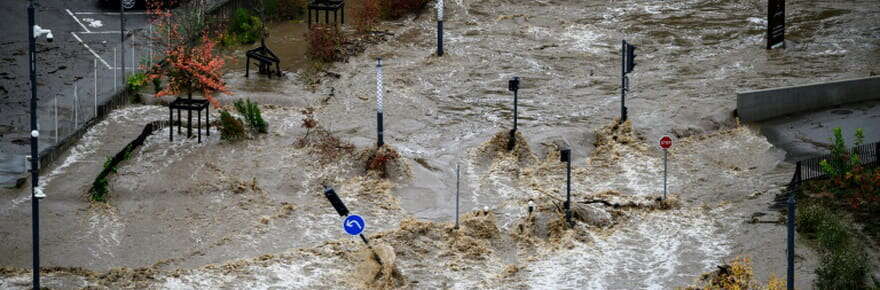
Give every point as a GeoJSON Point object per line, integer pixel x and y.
{"type": "Point", "coordinates": [623, 82]}
{"type": "Point", "coordinates": [379, 109]}
{"type": "Point", "coordinates": [35, 156]}
{"type": "Point", "coordinates": [439, 27]}
{"type": "Point", "coordinates": [457, 190]}
{"type": "Point", "coordinates": [565, 156]}
{"type": "Point", "coordinates": [791, 216]}
{"type": "Point", "coordinates": [513, 86]}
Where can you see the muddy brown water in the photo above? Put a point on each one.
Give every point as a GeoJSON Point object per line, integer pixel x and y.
{"type": "Point", "coordinates": [187, 206]}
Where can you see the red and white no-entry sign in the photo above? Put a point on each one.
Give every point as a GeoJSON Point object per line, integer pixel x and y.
{"type": "Point", "coordinates": [665, 142]}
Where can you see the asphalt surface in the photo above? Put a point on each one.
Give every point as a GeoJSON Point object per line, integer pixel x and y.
{"type": "Point", "coordinates": [809, 134]}
{"type": "Point", "coordinates": [64, 65]}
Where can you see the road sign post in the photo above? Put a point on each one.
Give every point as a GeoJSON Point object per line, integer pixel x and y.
{"type": "Point", "coordinates": [565, 156]}
{"type": "Point", "coordinates": [665, 144]}
{"type": "Point", "coordinates": [775, 24]}
{"type": "Point", "coordinates": [354, 225]}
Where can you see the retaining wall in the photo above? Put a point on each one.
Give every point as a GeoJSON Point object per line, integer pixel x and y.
{"type": "Point", "coordinates": [766, 104]}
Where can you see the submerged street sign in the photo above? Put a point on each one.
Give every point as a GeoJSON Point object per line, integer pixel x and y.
{"type": "Point", "coordinates": [775, 24]}
{"type": "Point", "coordinates": [354, 225]}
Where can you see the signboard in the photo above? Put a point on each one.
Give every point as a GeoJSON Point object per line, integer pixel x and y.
{"type": "Point", "coordinates": [775, 24]}
{"type": "Point", "coordinates": [665, 142]}
{"type": "Point", "coordinates": [354, 225]}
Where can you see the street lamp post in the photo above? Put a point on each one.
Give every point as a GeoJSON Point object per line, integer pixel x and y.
{"type": "Point", "coordinates": [35, 31]}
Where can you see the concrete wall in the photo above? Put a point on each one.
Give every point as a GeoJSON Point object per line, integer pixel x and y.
{"type": "Point", "coordinates": [770, 103]}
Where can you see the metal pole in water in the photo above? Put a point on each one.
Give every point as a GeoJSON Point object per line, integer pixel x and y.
{"type": "Point", "coordinates": [75, 107]}
{"type": "Point", "coordinates": [56, 120]}
{"type": "Point", "coordinates": [623, 82]}
{"type": "Point", "coordinates": [513, 85]}
{"type": "Point", "coordinates": [439, 27]}
{"type": "Point", "coordinates": [379, 109]}
{"type": "Point", "coordinates": [96, 88]}
{"type": "Point", "coordinates": [35, 155]}
{"type": "Point", "coordinates": [791, 216]}
{"type": "Point", "coordinates": [457, 191]}
{"type": "Point", "coordinates": [665, 153]}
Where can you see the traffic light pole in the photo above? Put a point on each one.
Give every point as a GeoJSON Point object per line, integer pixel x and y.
{"type": "Point", "coordinates": [35, 156]}
{"type": "Point", "coordinates": [513, 85]}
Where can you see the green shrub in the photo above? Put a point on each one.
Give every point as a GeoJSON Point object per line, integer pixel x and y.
{"type": "Point", "coordinates": [844, 268]}
{"type": "Point", "coordinates": [99, 190]}
{"type": "Point", "coordinates": [231, 128]}
{"type": "Point", "coordinates": [245, 29]}
{"type": "Point", "coordinates": [136, 82]}
{"type": "Point", "coordinates": [810, 215]}
{"type": "Point", "coordinates": [842, 161]}
{"type": "Point", "coordinates": [832, 233]}
{"type": "Point", "coordinates": [252, 115]}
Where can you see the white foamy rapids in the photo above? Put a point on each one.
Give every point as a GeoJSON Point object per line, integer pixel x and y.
{"type": "Point", "coordinates": [654, 251]}
{"type": "Point", "coordinates": [309, 273]}
{"type": "Point", "coordinates": [103, 237]}
{"type": "Point", "coordinates": [641, 174]}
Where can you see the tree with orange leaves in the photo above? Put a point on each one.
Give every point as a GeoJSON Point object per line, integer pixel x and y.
{"type": "Point", "coordinates": [187, 61]}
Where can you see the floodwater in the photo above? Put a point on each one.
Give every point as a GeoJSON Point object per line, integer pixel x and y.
{"type": "Point", "coordinates": [184, 215]}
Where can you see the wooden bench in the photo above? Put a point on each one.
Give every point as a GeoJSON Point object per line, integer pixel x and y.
{"type": "Point", "coordinates": [326, 6]}
{"type": "Point", "coordinates": [265, 57]}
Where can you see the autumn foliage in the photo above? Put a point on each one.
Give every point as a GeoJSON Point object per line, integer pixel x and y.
{"type": "Point", "coordinates": [188, 61]}
{"type": "Point", "coordinates": [325, 42]}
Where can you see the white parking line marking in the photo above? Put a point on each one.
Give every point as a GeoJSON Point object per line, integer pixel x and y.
{"type": "Point", "coordinates": [109, 13]}
{"type": "Point", "coordinates": [101, 32]}
{"type": "Point", "coordinates": [77, 20]}
{"type": "Point", "coordinates": [92, 51]}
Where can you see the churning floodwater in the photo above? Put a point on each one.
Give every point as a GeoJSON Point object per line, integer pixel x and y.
{"type": "Point", "coordinates": [184, 215]}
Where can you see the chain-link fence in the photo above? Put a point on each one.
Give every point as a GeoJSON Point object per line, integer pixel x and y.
{"type": "Point", "coordinates": [94, 84]}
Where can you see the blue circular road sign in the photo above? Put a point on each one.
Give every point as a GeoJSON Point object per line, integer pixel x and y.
{"type": "Point", "coordinates": [354, 225]}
